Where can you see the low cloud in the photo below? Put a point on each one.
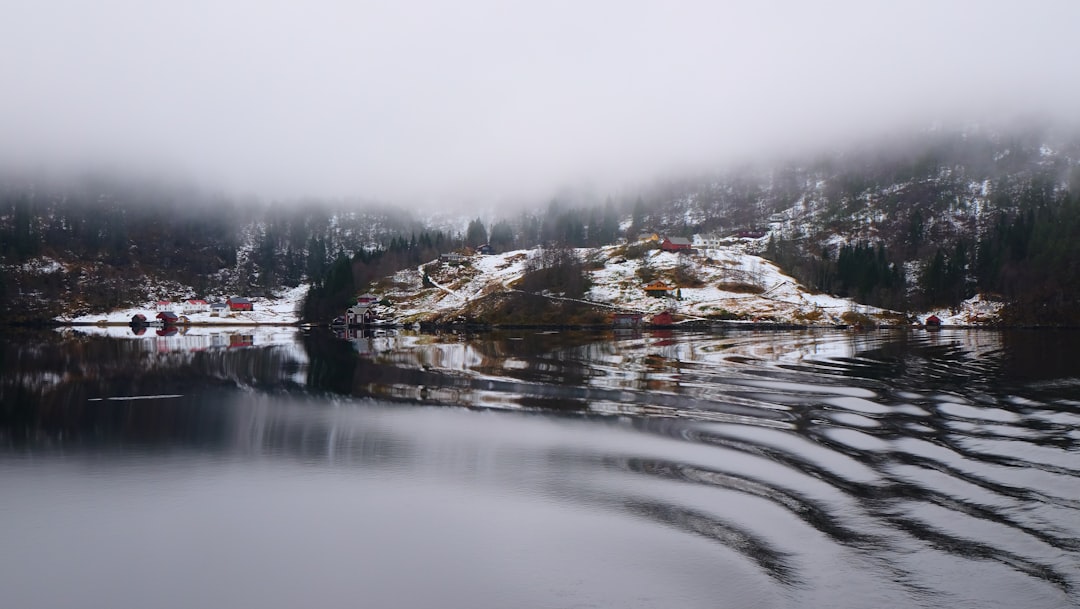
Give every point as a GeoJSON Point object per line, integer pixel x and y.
{"type": "Point", "coordinates": [439, 103]}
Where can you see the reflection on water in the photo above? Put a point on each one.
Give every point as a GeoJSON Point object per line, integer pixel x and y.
{"type": "Point", "coordinates": [745, 469]}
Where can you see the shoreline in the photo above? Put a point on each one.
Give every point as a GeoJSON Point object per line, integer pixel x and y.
{"type": "Point", "coordinates": [696, 325]}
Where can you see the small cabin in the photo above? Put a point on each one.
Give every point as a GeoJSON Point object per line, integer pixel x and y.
{"type": "Point", "coordinates": [168, 318]}
{"type": "Point", "coordinates": [367, 299]}
{"type": "Point", "coordinates": [662, 319]}
{"type": "Point", "coordinates": [240, 304]}
{"type": "Point", "coordinates": [485, 249]}
{"type": "Point", "coordinates": [658, 289]}
{"type": "Point", "coordinates": [933, 321]}
{"type": "Point", "coordinates": [452, 258]}
{"type": "Point", "coordinates": [675, 244]}
{"type": "Point", "coordinates": [138, 319]}
{"type": "Point", "coordinates": [219, 309]}
{"type": "Point", "coordinates": [359, 315]}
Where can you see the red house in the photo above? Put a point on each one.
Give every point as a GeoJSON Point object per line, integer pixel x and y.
{"type": "Point", "coordinates": [675, 244]}
{"type": "Point", "coordinates": [168, 318]}
{"type": "Point", "coordinates": [662, 319]}
{"type": "Point", "coordinates": [239, 304]}
{"type": "Point", "coordinates": [933, 320]}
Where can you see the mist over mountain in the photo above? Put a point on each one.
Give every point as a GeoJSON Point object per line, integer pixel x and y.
{"type": "Point", "coordinates": [215, 147]}
{"type": "Point", "coordinates": [433, 105]}
{"type": "Point", "coordinates": [911, 224]}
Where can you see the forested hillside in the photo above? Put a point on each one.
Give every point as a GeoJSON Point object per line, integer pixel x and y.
{"type": "Point", "coordinates": [90, 245]}
{"type": "Point", "coordinates": [914, 224]}
{"type": "Point", "coordinates": [919, 222]}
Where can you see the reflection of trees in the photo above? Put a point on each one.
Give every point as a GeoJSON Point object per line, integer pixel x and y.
{"type": "Point", "coordinates": [929, 476]}
{"type": "Point", "coordinates": [55, 387]}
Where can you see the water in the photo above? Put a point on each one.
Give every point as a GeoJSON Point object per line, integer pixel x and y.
{"type": "Point", "coordinates": [529, 469]}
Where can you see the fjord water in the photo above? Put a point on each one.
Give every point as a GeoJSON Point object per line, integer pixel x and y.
{"type": "Point", "coordinates": [893, 468]}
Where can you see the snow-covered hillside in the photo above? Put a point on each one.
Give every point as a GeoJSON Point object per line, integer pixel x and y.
{"type": "Point", "coordinates": [727, 282]}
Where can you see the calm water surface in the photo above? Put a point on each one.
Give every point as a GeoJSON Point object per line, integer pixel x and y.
{"type": "Point", "coordinates": [530, 469]}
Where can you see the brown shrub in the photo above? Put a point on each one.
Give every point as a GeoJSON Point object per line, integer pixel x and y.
{"type": "Point", "coordinates": [740, 287]}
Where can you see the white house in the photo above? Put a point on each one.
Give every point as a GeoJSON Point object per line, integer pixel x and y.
{"type": "Point", "coordinates": [709, 241]}
{"type": "Point", "coordinates": [195, 305]}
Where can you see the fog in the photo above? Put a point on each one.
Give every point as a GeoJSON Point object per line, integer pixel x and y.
{"type": "Point", "coordinates": [456, 103]}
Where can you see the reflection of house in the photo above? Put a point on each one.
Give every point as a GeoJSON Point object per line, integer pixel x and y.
{"type": "Point", "coordinates": [241, 340]}
{"type": "Point", "coordinates": [675, 244]}
{"type": "Point", "coordinates": [626, 320]}
{"type": "Point", "coordinates": [658, 288]}
{"type": "Point", "coordinates": [239, 304]}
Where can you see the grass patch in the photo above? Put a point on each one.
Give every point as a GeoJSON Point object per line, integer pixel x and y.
{"type": "Point", "coordinates": [520, 309]}
{"type": "Point", "coordinates": [740, 287]}
{"type": "Point", "coordinates": [858, 319]}
{"type": "Point", "coordinates": [810, 316]}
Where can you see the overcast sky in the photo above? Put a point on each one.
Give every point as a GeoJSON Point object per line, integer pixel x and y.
{"type": "Point", "coordinates": [481, 100]}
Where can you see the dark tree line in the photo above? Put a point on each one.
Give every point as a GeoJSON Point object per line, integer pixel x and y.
{"type": "Point", "coordinates": [1029, 257]}
{"type": "Point", "coordinates": [557, 270]}
{"type": "Point", "coordinates": [1032, 258]}
{"type": "Point", "coordinates": [336, 289]}
{"type": "Point", "coordinates": [866, 272]}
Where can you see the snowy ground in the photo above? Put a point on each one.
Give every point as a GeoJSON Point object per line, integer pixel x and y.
{"type": "Point", "coordinates": [734, 283]}
{"type": "Point", "coordinates": [974, 311]}
{"type": "Point", "coordinates": [284, 309]}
